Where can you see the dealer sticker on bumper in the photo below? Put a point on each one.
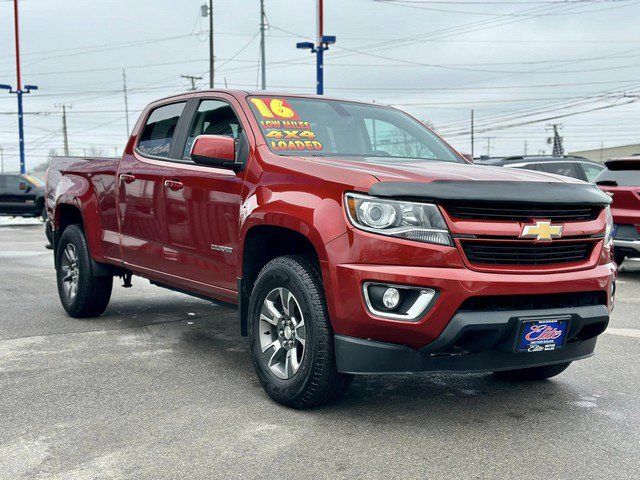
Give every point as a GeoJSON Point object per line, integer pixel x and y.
{"type": "Point", "coordinates": [541, 335]}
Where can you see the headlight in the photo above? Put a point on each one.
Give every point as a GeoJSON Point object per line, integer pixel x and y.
{"type": "Point", "coordinates": [411, 220]}
{"type": "Point", "coordinates": [608, 232]}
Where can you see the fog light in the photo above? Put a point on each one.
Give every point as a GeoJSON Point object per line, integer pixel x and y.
{"type": "Point", "coordinates": [398, 302]}
{"type": "Point", "coordinates": [391, 298]}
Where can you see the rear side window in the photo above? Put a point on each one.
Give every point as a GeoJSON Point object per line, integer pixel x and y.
{"type": "Point", "coordinates": [591, 171]}
{"type": "Point", "coordinates": [620, 178]}
{"type": "Point", "coordinates": [160, 129]}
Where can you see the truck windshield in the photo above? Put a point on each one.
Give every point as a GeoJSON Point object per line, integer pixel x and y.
{"type": "Point", "coordinates": [327, 128]}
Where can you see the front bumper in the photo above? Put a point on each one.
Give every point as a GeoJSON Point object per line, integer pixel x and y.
{"type": "Point", "coordinates": [630, 248]}
{"type": "Point", "coordinates": [350, 317]}
{"type": "Point", "coordinates": [474, 342]}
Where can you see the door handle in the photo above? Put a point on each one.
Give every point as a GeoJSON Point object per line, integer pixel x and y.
{"type": "Point", "coordinates": [174, 185]}
{"type": "Point", "coordinates": [127, 177]}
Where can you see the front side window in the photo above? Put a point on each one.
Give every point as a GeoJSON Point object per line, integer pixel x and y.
{"type": "Point", "coordinates": [159, 130]}
{"type": "Point", "coordinates": [561, 168]}
{"type": "Point", "coordinates": [319, 127]}
{"type": "Point", "coordinates": [214, 117]}
{"type": "Point", "coordinates": [35, 181]}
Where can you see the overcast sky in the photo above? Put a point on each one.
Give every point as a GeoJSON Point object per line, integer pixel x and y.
{"type": "Point", "coordinates": [512, 61]}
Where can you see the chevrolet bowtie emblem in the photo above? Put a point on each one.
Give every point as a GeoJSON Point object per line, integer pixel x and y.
{"type": "Point", "coordinates": [543, 231]}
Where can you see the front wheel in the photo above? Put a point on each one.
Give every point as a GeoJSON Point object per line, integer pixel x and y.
{"type": "Point", "coordinates": [533, 373]}
{"type": "Point", "coordinates": [291, 335]}
{"type": "Point", "coordinates": [82, 293]}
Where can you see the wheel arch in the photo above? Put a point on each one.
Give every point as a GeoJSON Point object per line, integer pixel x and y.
{"type": "Point", "coordinates": [263, 243]}
{"type": "Point", "coordinates": [65, 215]}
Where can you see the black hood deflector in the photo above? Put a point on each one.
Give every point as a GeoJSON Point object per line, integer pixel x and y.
{"type": "Point", "coordinates": [445, 191]}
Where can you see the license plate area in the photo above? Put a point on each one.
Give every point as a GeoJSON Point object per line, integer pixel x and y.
{"type": "Point", "coordinates": [542, 334]}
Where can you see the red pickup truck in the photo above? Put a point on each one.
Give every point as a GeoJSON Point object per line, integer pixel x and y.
{"type": "Point", "coordinates": [621, 181]}
{"type": "Point", "coordinates": [352, 239]}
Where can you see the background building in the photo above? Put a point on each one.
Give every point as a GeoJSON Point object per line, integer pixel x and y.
{"type": "Point", "coordinates": [602, 154]}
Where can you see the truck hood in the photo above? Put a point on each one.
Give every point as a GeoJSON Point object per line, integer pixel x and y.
{"type": "Point", "coordinates": [446, 182]}
{"type": "Point", "coordinates": [399, 170]}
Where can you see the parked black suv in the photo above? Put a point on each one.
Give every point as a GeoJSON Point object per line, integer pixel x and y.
{"type": "Point", "coordinates": [567, 165]}
{"type": "Point", "coordinates": [21, 196]}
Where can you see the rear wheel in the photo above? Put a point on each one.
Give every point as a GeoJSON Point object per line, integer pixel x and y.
{"type": "Point", "coordinates": [82, 293]}
{"type": "Point", "coordinates": [618, 258]}
{"type": "Point", "coordinates": [534, 373]}
{"type": "Point", "coordinates": [291, 335]}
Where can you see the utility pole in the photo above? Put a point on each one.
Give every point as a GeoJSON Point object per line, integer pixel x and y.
{"type": "Point", "coordinates": [126, 100]}
{"type": "Point", "coordinates": [525, 148]}
{"type": "Point", "coordinates": [64, 130]}
{"type": "Point", "coordinates": [18, 90]}
{"type": "Point", "coordinates": [192, 79]}
{"type": "Point", "coordinates": [263, 60]}
{"type": "Point", "coordinates": [322, 43]}
{"type": "Point", "coordinates": [472, 133]}
{"type": "Point", "coordinates": [558, 149]}
{"type": "Point", "coordinates": [207, 11]}
{"type": "Point", "coordinates": [1, 160]}
{"type": "Point", "coordinates": [489, 145]}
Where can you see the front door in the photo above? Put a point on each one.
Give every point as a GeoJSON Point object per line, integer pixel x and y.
{"type": "Point", "coordinates": [140, 191]}
{"type": "Point", "coordinates": [202, 205]}
{"type": "Point", "coordinates": [17, 195]}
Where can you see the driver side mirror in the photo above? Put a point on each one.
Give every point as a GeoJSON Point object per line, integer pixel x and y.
{"type": "Point", "coordinates": [215, 151]}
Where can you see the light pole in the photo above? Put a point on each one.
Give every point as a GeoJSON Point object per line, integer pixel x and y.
{"type": "Point", "coordinates": [322, 43]}
{"type": "Point", "coordinates": [19, 91]}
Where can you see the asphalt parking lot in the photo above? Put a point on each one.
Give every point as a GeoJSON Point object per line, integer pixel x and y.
{"type": "Point", "coordinates": [162, 386]}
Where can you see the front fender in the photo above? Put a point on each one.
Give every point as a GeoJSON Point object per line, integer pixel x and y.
{"type": "Point", "coordinates": [319, 218]}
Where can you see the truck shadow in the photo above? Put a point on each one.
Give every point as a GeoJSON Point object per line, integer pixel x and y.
{"type": "Point", "coordinates": [210, 337]}
{"type": "Point", "coordinates": [464, 399]}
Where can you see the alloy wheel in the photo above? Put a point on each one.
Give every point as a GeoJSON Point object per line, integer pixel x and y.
{"type": "Point", "coordinates": [282, 333]}
{"type": "Point", "coordinates": [70, 271]}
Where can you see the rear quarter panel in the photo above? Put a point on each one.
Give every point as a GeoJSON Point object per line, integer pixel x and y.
{"type": "Point", "coordinates": [88, 184]}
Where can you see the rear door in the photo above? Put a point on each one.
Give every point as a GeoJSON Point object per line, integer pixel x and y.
{"type": "Point", "coordinates": [140, 176]}
{"type": "Point", "coordinates": [624, 188]}
{"type": "Point", "coordinates": [202, 203]}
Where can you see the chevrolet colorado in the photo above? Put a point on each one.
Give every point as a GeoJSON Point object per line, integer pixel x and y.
{"type": "Point", "coordinates": [352, 239]}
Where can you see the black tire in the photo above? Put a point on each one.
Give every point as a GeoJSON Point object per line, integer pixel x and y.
{"type": "Point", "coordinates": [618, 258]}
{"type": "Point", "coordinates": [534, 373]}
{"type": "Point", "coordinates": [43, 214]}
{"type": "Point", "coordinates": [48, 231]}
{"type": "Point", "coordinates": [317, 380]}
{"type": "Point", "coordinates": [92, 292]}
